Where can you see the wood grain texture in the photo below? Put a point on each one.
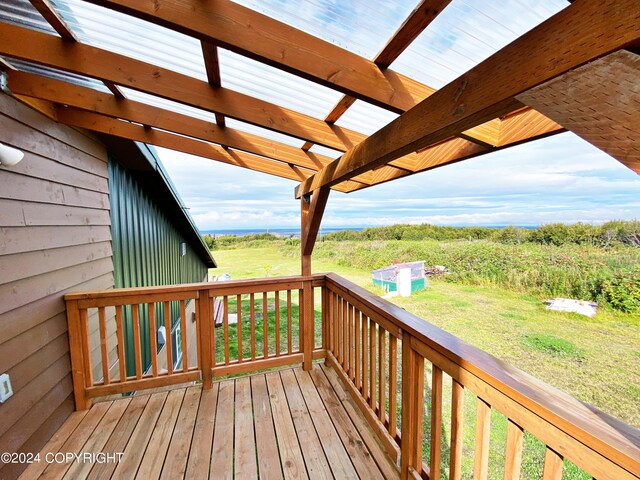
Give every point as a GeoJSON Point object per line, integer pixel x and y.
{"type": "Point", "coordinates": [60, 190]}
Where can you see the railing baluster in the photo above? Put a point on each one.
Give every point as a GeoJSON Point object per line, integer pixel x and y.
{"type": "Point", "coordinates": [120, 333]}
{"type": "Point", "coordinates": [356, 339]}
{"type": "Point", "coordinates": [239, 326]}
{"type": "Point", "coordinates": [513, 454]}
{"type": "Point", "coordinates": [348, 351]}
{"type": "Point", "coordinates": [382, 384]}
{"type": "Point", "coordinates": [289, 324]}
{"type": "Point", "coordinates": [86, 347]}
{"type": "Point", "coordinates": [412, 409]}
{"type": "Point", "coordinates": [214, 346]}
{"type": "Point", "coordinates": [365, 357]}
{"type": "Point", "coordinates": [183, 329]}
{"type": "Point", "coordinates": [352, 343]}
{"type": "Point", "coordinates": [436, 421]}
{"type": "Point", "coordinates": [277, 322]}
{"type": "Point", "coordinates": [457, 411]}
{"type": "Point", "coordinates": [253, 325]}
{"type": "Point", "coordinates": [153, 340]}
{"type": "Point", "coordinates": [336, 325]}
{"type": "Point", "coordinates": [204, 324]}
{"type": "Point", "coordinates": [327, 317]}
{"type": "Point", "coordinates": [393, 376]}
{"type": "Point", "coordinates": [345, 336]}
{"type": "Point", "coordinates": [135, 319]}
{"type": "Point", "coordinates": [225, 322]}
{"type": "Point", "coordinates": [169, 342]}
{"type": "Point", "coordinates": [104, 346]}
{"type": "Point", "coordinates": [372, 365]}
{"type": "Point", "coordinates": [483, 431]}
{"type": "Point", "coordinates": [308, 325]}
{"type": "Point", "coordinates": [265, 326]}
{"type": "Point", "coordinates": [552, 465]}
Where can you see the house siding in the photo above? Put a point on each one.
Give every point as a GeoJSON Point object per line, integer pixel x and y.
{"type": "Point", "coordinates": [146, 251]}
{"type": "Point", "coordinates": [55, 237]}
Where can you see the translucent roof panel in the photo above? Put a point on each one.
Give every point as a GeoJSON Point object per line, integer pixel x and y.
{"type": "Point", "coordinates": [275, 86]}
{"type": "Point", "coordinates": [167, 104]}
{"type": "Point", "coordinates": [59, 75]}
{"type": "Point", "coordinates": [329, 152]}
{"type": "Point", "coordinates": [360, 26]}
{"type": "Point", "coordinates": [467, 32]}
{"type": "Point", "coordinates": [22, 13]}
{"type": "Point", "coordinates": [132, 37]}
{"type": "Point", "coordinates": [263, 132]}
{"type": "Point", "coordinates": [365, 118]}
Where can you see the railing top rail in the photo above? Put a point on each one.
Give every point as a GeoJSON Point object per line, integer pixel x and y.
{"type": "Point", "coordinates": [584, 422]}
{"type": "Point", "coordinates": [188, 287]}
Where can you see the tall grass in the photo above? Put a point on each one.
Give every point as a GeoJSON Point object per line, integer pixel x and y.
{"type": "Point", "coordinates": [577, 271]}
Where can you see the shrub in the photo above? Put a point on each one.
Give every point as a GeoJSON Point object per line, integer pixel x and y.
{"type": "Point", "coordinates": [623, 291]}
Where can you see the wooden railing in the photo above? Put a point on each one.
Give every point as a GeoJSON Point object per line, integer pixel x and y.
{"type": "Point", "coordinates": [410, 379]}
{"type": "Point", "coordinates": [388, 358]}
{"type": "Point", "coordinates": [225, 328]}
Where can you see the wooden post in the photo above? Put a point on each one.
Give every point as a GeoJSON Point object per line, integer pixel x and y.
{"type": "Point", "coordinates": [205, 320]}
{"type": "Point", "coordinates": [77, 357]}
{"type": "Point", "coordinates": [305, 208]}
{"type": "Point", "coordinates": [412, 411]}
{"type": "Point", "coordinates": [308, 322]}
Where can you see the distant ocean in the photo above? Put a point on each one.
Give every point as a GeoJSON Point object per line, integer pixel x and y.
{"type": "Point", "coordinates": [287, 232]}
{"type": "Point", "coordinates": [282, 232]}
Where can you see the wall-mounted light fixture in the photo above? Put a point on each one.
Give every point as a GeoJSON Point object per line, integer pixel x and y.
{"type": "Point", "coordinates": [9, 156]}
{"type": "Point", "coordinates": [183, 249]}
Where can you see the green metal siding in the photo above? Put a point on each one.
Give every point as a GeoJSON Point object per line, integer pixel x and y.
{"type": "Point", "coordinates": [146, 252]}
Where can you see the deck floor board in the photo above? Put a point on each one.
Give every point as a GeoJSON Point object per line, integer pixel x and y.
{"type": "Point", "coordinates": [281, 424]}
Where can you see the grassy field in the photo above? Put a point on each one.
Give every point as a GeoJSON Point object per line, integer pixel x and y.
{"type": "Point", "coordinates": [596, 360]}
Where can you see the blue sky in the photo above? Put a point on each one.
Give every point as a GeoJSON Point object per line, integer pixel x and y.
{"type": "Point", "coordinates": [557, 179]}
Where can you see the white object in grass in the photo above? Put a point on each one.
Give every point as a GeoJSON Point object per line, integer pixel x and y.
{"type": "Point", "coordinates": [581, 307]}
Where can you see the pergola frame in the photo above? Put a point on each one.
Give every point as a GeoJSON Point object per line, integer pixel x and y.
{"type": "Point", "coordinates": [475, 114]}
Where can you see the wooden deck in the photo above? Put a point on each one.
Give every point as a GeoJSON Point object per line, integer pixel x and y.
{"type": "Point", "coordinates": [285, 424]}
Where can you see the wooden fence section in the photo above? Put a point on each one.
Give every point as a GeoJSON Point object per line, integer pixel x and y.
{"type": "Point", "coordinates": [262, 324]}
{"type": "Point", "coordinates": [410, 379]}
{"type": "Point", "coordinates": [366, 340]}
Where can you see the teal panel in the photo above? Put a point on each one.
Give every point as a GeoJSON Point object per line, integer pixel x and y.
{"type": "Point", "coordinates": [146, 252]}
{"type": "Point", "coordinates": [388, 286]}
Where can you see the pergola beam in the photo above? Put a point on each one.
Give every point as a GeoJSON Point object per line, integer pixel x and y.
{"type": "Point", "coordinates": [584, 31]}
{"type": "Point", "coordinates": [99, 123]}
{"type": "Point", "coordinates": [84, 98]}
{"type": "Point", "coordinates": [275, 43]}
{"type": "Point", "coordinates": [97, 63]}
{"type": "Point", "coordinates": [212, 66]}
{"type": "Point", "coordinates": [60, 26]}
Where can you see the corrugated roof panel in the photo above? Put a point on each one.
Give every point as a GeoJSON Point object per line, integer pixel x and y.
{"type": "Point", "coordinates": [132, 37]}
{"type": "Point", "coordinates": [263, 132]}
{"type": "Point", "coordinates": [360, 26]}
{"type": "Point", "coordinates": [275, 86]}
{"type": "Point", "coordinates": [59, 75]}
{"type": "Point", "coordinates": [365, 118]}
{"type": "Point", "coordinates": [466, 33]}
{"type": "Point", "coordinates": [167, 104]}
{"type": "Point", "coordinates": [22, 13]}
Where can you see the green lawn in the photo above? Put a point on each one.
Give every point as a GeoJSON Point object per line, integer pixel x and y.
{"type": "Point", "coordinates": [596, 360]}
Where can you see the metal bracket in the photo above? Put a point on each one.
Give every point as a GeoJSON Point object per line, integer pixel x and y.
{"type": "Point", "coordinates": [4, 83]}
{"type": "Point", "coordinates": [306, 198]}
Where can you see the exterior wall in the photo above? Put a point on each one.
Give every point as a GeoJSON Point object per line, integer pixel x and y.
{"type": "Point", "coordinates": [54, 238]}
{"type": "Point", "coordinates": [146, 251]}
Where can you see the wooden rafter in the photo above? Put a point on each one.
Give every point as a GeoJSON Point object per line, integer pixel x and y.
{"type": "Point", "coordinates": [84, 98]}
{"type": "Point", "coordinates": [212, 66]}
{"type": "Point", "coordinates": [413, 26]}
{"type": "Point", "coordinates": [111, 126]}
{"type": "Point", "coordinates": [415, 23]}
{"type": "Point", "coordinates": [60, 26]}
{"type": "Point", "coordinates": [97, 63]}
{"type": "Point", "coordinates": [278, 44]}
{"type": "Point", "coordinates": [311, 226]}
{"type": "Point", "coordinates": [586, 30]}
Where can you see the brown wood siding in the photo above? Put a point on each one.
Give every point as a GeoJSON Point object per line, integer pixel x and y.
{"type": "Point", "coordinates": [55, 237]}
